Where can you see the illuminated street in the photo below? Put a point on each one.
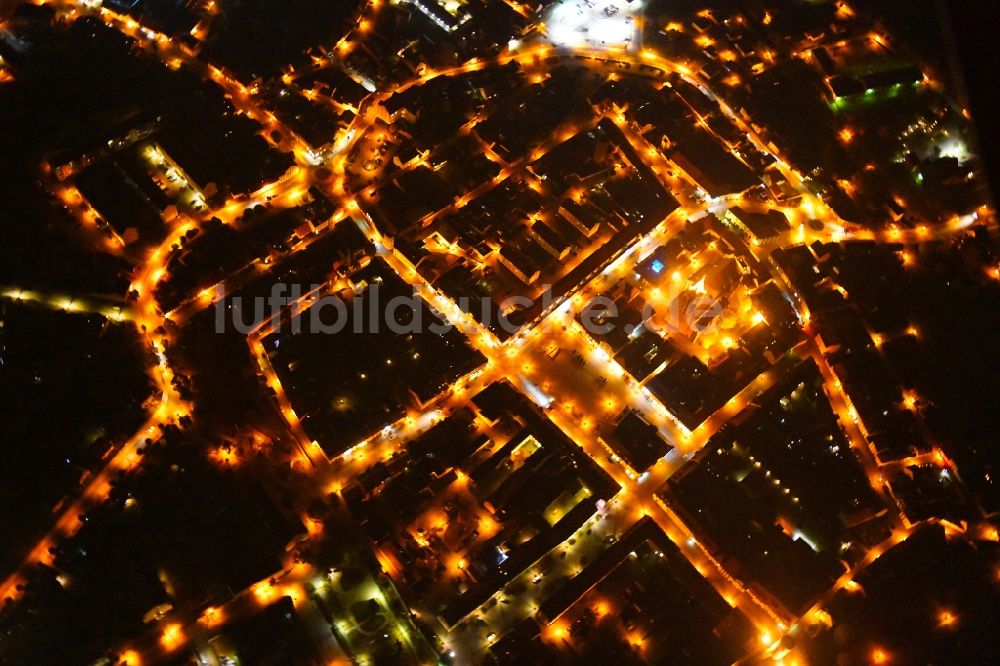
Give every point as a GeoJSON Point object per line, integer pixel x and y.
{"type": "Point", "coordinates": [677, 364]}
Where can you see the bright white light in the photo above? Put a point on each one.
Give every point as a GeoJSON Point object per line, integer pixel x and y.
{"type": "Point", "coordinates": [601, 25]}
{"type": "Point", "coordinates": [799, 535]}
{"type": "Point", "coordinates": [344, 141]}
{"type": "Point", "coordinates": [536, 394]}
{"type": "Point", "coordinates": [954, 147]}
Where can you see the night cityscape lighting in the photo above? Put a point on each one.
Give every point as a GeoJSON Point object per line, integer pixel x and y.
{"type": "Point", "coordinates": [495, 332]}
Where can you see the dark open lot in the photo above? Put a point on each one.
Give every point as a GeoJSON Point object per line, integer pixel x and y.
{"type": "Point", "coordinates": [248, 39]}
{"type": "Point", "coordinates": [186, 531]}
{"type": "Point", "coordinates": [347, 385]}
{"type": "Point", "coordinates": [71, 387]}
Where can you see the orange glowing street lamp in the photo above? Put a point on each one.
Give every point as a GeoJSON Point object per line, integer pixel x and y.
{"type": "Point", "coordinates": [558, 631]}
{"type": "Point", "coordinates": [172, 636]}
{"type": "Point", "coordinates": [880, 656]}
{"type": "Point", "coordinates": [130, 658]}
